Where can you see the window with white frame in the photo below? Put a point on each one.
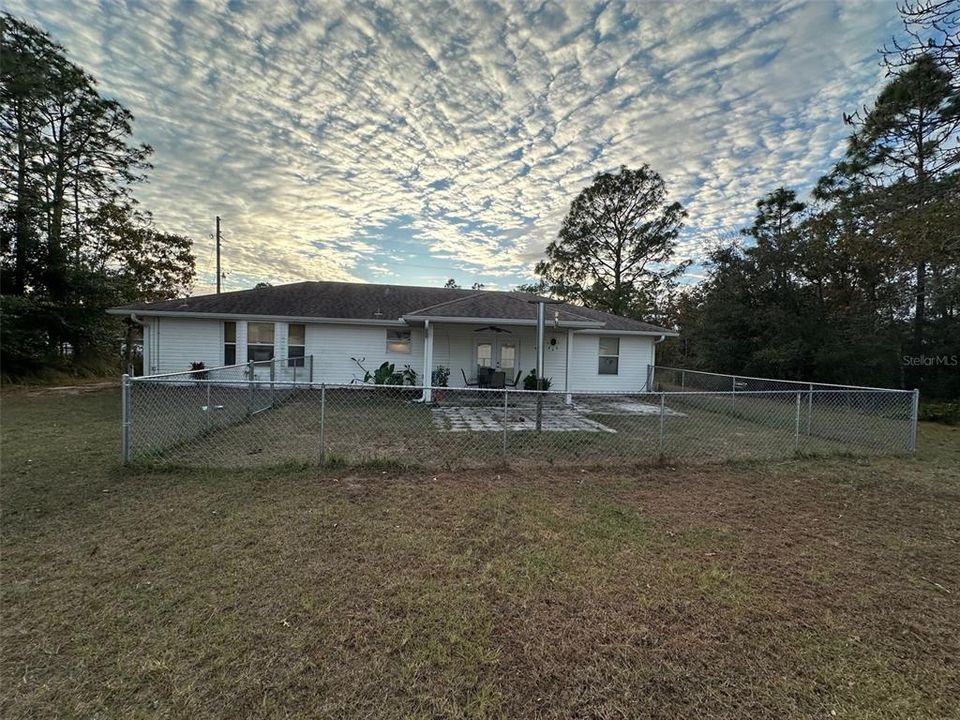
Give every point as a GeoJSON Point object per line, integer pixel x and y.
{"type": "Point", "coordinates": [609, 363]}
{"type": "Point", "coordinates": [398, 341]}
{"type": "Point", "coordinates": [296, 344]}
{"type": "Point", "coordinates": [229, 343]}
{"type": "Point", "coordinates": [259, 341]}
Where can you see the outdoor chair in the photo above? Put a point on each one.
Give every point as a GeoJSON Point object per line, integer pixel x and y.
{"type": "Point", "coordinates": [467, 382]}
{"type": "Point", "coordinates": [516, 380]}
{"type": "Point", "coordinates": [497, 380]}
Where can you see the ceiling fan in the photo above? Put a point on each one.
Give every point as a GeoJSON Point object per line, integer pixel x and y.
{"type": "Point", "coordinates": [492, 328]}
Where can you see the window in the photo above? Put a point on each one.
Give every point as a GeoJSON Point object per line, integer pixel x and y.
{"type": "Point", "coordinates": [229, 343]}
{"type": "Point", "coordinates": [484, 355]}
{"type": "Point", "coordinates": [398, 341]}
{"type": "Point", "coordinates": [296, 345]}
{"type": "Point", "coordinates": [259, 341]}
{"type": "Point", "coordinates": [508, 357]}
{"type": "Point", "coordinates": [609, 356]}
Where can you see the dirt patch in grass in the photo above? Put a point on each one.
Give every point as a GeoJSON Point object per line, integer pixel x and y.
{"type": "Point", "coordinates": [72, 389]}
{"type": "Point", "coordinates": [793, 589]}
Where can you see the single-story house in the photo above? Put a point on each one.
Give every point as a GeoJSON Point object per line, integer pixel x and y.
{"type": "Point", "coordinates": [336, 322]}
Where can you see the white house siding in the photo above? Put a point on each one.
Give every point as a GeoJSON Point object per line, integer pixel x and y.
{"type": "Point", "coordinates": [636, 352]}
{"type": "Point", "coordinates": [172, 344]}
{"type": "Point", "coordinates": [554, 358]}
{"type": "Point", "coordinates": [332, 346]}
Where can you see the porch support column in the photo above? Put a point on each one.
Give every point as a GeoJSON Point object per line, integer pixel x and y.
{"type": "Point", "coordinates": [566, 368]}
{"type": "Point", "coordinates": [427, 361]}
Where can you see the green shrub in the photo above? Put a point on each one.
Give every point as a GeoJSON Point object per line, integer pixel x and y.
{"type": "Point", "coordinates": [947, 413]}
{"type": "Point", "coordinates": [530, 382]}
{"type": "Point", "coordinates": [440, 377]}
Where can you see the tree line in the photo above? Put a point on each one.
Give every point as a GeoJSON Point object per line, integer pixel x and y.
{"type": "Point", "coordinates": [860, 284]}
{"type": "Point", "coordinates": [73, 241]}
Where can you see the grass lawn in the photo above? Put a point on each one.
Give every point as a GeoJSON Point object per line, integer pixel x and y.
{"type": "Point", "coordinates": [812, 588]}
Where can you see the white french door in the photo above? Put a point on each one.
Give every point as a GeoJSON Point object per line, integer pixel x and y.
{"type": "Point", "coordinates": [497, 353]}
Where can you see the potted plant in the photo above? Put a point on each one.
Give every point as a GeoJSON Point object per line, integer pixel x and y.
{"type": "Point", "coordinates": [199, 370]}
{"type": "Point", "coordinates": [439, 379]}
{"type": "Point", "coordinates": [530, 382]}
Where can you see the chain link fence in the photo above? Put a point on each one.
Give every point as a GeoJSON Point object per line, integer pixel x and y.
{"type": "Point", "coordinates": [244, 415]}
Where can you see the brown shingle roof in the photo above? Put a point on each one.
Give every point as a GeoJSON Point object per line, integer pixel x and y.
{"type": "Point", "coordinates": [359, 301]}
{"type": "Point", "coordinates": [497, 306]}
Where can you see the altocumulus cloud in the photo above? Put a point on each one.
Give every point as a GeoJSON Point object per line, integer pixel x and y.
{"type": "Point", "coordinates": [416, 141]}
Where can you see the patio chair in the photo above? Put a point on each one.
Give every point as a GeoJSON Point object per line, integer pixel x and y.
{"type": "Point", "coordinates": [467, 382]}
{"type": "Point", "coordinates": [516, 380]}
{"type": "Point", "coordinates": [497, 380]}
{"type": "Point", "coordinates": [483, 376]}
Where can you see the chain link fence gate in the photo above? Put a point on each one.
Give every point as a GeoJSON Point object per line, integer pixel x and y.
{"type": "Point", "coordinates": [243, 415]}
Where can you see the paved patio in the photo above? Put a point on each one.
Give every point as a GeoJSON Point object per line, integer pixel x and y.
{"type": "Point", "coordinates": [625, 406]}
{"type": "Point", "coordinates": [490, 419]}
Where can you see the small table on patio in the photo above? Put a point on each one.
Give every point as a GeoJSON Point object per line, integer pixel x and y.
{"type": "Point", "coordinates": [496, 380]}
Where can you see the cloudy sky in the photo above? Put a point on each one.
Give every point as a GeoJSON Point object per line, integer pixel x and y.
{"type": "Point", "coordinates": [412, 142]}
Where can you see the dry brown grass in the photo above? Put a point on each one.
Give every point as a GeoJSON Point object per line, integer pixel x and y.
{"type": "Point", "coordinates": [794, 589]}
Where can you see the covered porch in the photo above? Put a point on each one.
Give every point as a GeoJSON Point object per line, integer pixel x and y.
{"type": "Point", "coordinates": [495, 353]}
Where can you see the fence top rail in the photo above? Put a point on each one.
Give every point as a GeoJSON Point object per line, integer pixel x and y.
{"type": "Point", "coordinates": [803, 383]}
{"type": "Point", "coordinates": [236, 366]}
{"type": "Point", "coordinates": [359, 387]}
{"type": "Point", "coordinates": [192, 373]}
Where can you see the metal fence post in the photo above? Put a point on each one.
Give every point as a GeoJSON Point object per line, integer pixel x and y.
{"type": "Point", "coordinates": [796, 429]}
{"type": "Point", "coordinates": [733, 394]}
{"type": "Point", "coordinates": [125, 419]}
{"type": "Point", "coordinates": [311, 370]}
{"type": "Point", "coordinates": [683, 379]}
{"type": "Point", "coordinates": [810, 410]}
{"type": "Point", "coordinates": [539, 405]}
{"type": "Point", "coordinates": [209, 407]}
{"type": "Point", "coordinates": [914, 418]}
{"type": "Point", "coordinates": [662, 404]}
{"type": "Point", "coordinates": [273, 388]}
{"type": "Point", "coordinates": [505, 391]}
{"type": "Point", "coordinates": [323, 412]}
{"type": "Point", "coordinates": [251, 373]}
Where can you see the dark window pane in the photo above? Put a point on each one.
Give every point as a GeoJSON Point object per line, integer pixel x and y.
{"type": "Point", "coordinates": [229, 354]}
{"type": "Point", "coordinates": [229, 332]}
{"type": "Point", "coordinates": [259, 353]}
{"type": "Point", "coordinates": [609, 365]}
{"type": "Point", "coordinates": [295, 356]}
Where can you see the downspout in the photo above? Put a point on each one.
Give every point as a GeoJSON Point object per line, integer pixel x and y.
{"type": "Point", "coordinates": [134, 320]}
{"type": "Point", "coordinates": [653, 362]}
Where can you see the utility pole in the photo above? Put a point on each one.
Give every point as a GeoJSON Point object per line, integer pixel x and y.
{"type": "Point", "coordinates": [218, 254]}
